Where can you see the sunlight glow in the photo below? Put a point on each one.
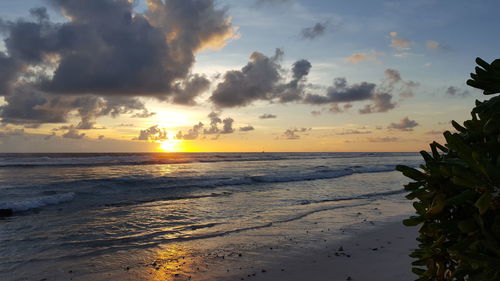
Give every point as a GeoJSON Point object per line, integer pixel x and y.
{"type": "Point", "coordinates": [170, 145]}
{"type": "Point", "coordinates": [169, 119]}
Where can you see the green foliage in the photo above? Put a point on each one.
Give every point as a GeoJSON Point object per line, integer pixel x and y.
{"type": "Point", "coordinates": [456, 194]}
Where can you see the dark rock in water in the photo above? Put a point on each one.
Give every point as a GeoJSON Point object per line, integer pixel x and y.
{"type": "Point", "coordinates": [6, 212]}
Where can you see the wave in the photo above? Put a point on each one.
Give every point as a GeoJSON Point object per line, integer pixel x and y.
{"type": "Point", "coordinates": [82, 160]}
{"type": "Point", "coordinates": [153, 189]}
{"type": "Point", "coordinates": [37, 202]}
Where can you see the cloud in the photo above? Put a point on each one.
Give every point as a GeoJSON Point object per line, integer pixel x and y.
{"type": "Point", "coordinates": [11, 132]}
{"type": "Point", "coordinates": [192, 133]}
{"type": "Point", "coordinates": [398, 43]}
{"type": "Point", "coordinates": [260, 3]}
{"type": "Point", "coordinates": [30, 107]}
{"type": "Point", "coordinates": [379, 95]}
{"type": "Point", "coordinates": [227, 126]}
{"type": "Point", "coordinates": [335, 108]}
{"type": "Point", "coordinates": [291, 134]}
{"type": "Point", "coordinates": [315, 31]}
{"type": "Point", "coordinates": [383, 139]}
{"type": "Point", "coordinates": [105, 50]}
{"type": "Point", "coordinates": [404, 124]}
{"type": "Point", "coordinates": [186, 91]}
{"type": "Point", "coordinates": [433, 132]}
{"type": "Point", "coordinates": [153, 133]}
{"type": "Point", "coordinates": [381, 103]}
{"type": "Point", "coordinates": [73, 133]}
{"type": "Point", "coordinates": [363, 57]}
{"type": "Point", "coordinates": [456, 92]}
{"type": "Point", "coordinates": [261, 79]}
{"type": "Point", "coordinates": [267, 116]}
{"type": "Point", "coordinates": [352, 132]}
{"type": "Point", "coordinates": [247, 128]}
{"type": "Point", "coordinates": [214, 129]}
{"type": "Point", "coordinates": [359, 57]}
{"type": "Point", "coordinates": [434, 45]}
{"type": "Point", "coordinates": [342, 92]}
{"type": "Point", "coordinates": [48, 137]}
{"type": "Point", "coordinates": [125, 125]}
{"type": "Point", "coordinates": [394, 83]}
{"type": "Point", "coordinates": [144, 114]}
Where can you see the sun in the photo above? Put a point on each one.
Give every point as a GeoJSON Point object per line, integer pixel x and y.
{"type": "Point", "coordinates": [170, 145]}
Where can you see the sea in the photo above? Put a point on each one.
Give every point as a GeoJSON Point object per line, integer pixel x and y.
{"type": "Point", "coordinates": [99, 216]}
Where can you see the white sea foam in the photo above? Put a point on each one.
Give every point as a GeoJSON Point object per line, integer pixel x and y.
{"type": "Point", "coordinates": [37, 202]}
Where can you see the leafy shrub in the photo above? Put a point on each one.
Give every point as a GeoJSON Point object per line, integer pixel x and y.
{"type": "Point", "coordinates": [456, 194]}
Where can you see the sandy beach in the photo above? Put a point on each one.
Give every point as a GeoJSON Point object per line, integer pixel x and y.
{"type": "Point", "coordinates": [378, 254]}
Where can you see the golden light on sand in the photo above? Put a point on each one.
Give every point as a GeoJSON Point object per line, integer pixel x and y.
{"type": "Point", "coordinates": [171, 145]}
{"type": "Point", "coordinates": [173, 263]}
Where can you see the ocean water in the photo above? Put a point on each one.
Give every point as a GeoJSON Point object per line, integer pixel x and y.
{"type": "Point", "coordinates": [72, 210]}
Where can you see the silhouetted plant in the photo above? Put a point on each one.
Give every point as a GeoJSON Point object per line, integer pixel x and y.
{"type": "Point", "coordinates": [457, 194]}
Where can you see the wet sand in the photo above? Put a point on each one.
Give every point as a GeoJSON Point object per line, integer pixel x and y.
{"type": "Point", "coordinates": [379, 254]}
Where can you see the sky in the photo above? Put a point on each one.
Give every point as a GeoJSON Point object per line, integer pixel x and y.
{"type": "Point", "coordinates": [238, 76]}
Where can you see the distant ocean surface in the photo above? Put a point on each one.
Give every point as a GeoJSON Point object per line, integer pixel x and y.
{"type": "Point", "coordinates": [86, 205]}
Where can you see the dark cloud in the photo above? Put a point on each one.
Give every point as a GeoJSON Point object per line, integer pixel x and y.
{"type": "Point", "coordinates": [380, 95]}
{"type": "Point", "coordinates": [73, 133]}
{"type": "Point", "coordinates": [342, 92]}
{"type": "Point", "coordinates": [255, 81]}
{"type": "Point", "coordinates": [335, 108]}
{"type": "Point", "coordinates": [28, 106]}
{"type": "Point", "coordinates": [107, 51]}
{"type": "Point", "coordinates": [215, 121]}
{"type": "Point", "coordinates": [381, 103]}
{"type": "Point", "coordinates": [154, 133]}
{"type": "Point", "coordinates": [293, 91]}
{"type": "Point", "coordinates": [393, 83]}
{"type": "Point", "coordinates": [192, 134]}
{"type": "Point", "coordinates": [267, 116]}
{"type": "Point", "coordinates": [227, 126]}
{"type": "Point", "coordinates": [291, 134]}
{"type": "Point", "coordinates": [456, 92]}
{"type": "Point", "coordinates": [404, 124]}
{"type": "Point", "coordinates": [144, 114]}
{"type": "Point", "coordinates": [247, 128]}
{"type": "Point", "coordinates": [261, 79]}
{"type": "Point", "coordinates": [315, 31]}
{"type": "Point", "coordinates": [186, 91]}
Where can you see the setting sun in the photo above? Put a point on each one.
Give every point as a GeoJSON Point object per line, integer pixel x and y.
{"type": "Point", "coordinates": [171, 145]}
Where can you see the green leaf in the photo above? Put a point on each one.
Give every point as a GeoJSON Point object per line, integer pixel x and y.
{"type": "Point", "coordinates": [413, 221]}
{"type": "Point", "coordinates": [411, 172]}
{"type": "Point", "coordinates": [483, 203]}
{"type": "Point", "coordinates": [467, 226]}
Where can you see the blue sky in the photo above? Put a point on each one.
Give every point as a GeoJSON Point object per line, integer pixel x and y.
{"type": "Point", "coordinates": [432, 44]}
